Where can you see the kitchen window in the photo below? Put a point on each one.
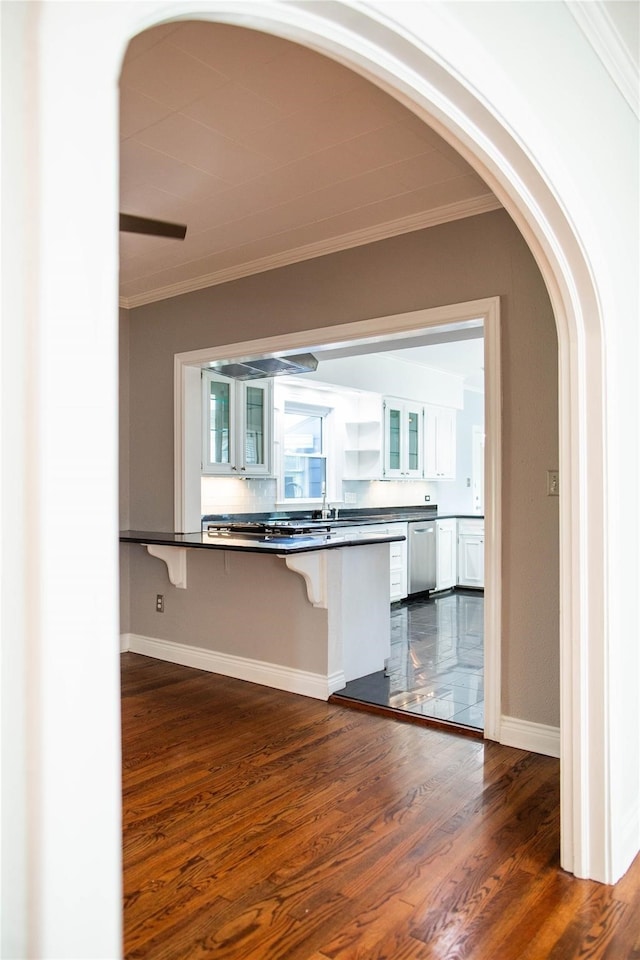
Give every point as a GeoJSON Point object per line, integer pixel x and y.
{"type": "Point", "coordinates": [305, 447]}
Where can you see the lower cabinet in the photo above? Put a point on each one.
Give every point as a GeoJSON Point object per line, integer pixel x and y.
{"type": "Point", "coordinates": [398, 567]}
{"type": "Point", "coordinates": [471, 553]}
{"type": "Point", "coordinates": [446, 554]}
{"type": "Point", "coordinates": [459, 554]}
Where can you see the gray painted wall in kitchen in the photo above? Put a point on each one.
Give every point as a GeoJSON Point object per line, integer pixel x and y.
{"type": "Point", "coordinates": [270, 620]}
{"type": "Point", "coordinates": [482, 256]}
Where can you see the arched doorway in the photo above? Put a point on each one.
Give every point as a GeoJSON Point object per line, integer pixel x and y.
{"type": "Point", "coordinates": [435, 103]}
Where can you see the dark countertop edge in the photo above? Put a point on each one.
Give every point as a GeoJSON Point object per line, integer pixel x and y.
{"type": "Point", "coordinates": [459, 516]}
{"type": "Point", "coordinates": [202, 542]}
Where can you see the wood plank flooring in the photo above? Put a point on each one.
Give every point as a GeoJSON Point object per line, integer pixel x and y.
{"type": "Point", "coordinates": [260, 825]}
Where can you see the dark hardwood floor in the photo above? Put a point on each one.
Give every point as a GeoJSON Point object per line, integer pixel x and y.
{"type": "Point", "coordinates": [262, 825]}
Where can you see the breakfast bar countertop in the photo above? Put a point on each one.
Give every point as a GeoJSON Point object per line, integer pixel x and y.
{"type": "Point", "coordinates": [274, 545]}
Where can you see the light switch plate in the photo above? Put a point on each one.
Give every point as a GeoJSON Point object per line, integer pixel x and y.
{"type": "Point", "coordinates": [553, 483]}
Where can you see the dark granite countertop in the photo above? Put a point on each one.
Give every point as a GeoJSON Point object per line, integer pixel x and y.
{"type": "Point", "coordinates": [349, 517]}
{"type": "Point", "coordinates": [279, 545]}
{"type": "Point", "coordinates": [286, 545]}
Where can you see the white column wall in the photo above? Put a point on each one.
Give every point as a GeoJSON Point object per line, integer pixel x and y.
{"type": "Point", "coordinates": [576, 212]}
{"type": "Point", "coordinates": [15, 631]}
{"type": "Point", "coordinates": [61, 846]}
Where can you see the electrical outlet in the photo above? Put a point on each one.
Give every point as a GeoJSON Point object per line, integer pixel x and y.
{"type": "Point", "coordinates": [553, 483]}
{"type": "Point", "coordinates": [159, 603]}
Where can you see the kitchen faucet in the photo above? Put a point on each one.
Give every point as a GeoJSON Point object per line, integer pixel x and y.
{"type": "Point", "coordinates": [325, 511]}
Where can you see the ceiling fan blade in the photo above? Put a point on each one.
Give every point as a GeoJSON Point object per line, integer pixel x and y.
{"type": "Point", "coordinates": [153, 228]}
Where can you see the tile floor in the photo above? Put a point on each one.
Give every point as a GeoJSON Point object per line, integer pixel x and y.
{"type": "Point", "coordinates": [436, 668]}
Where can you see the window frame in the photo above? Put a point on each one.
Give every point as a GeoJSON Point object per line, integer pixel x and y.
{"type": "Point", "coordinates": [326, 413]}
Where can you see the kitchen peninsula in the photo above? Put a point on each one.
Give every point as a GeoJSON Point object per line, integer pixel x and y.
{"type": "Point", "coordinates": [301, 613]}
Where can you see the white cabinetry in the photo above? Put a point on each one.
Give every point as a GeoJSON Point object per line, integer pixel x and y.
{"type": "Point", "coordinates": [446, 567]}
{"type": "Point", "coordinates": [471, 553]}
{"type": "Point", "coordinates": [398, 566]}
{"type": "Point", "coordinates": [363, 440]}
{"type": "Point", "coordinates": [237, 426]}
{"type": "Point", "coordinates": [403, 439]}
{"type": "Point", "coordinates": [440, 443]}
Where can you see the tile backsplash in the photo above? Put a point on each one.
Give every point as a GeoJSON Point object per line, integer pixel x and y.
{"type": "Point", "coordinates": [233, 495]}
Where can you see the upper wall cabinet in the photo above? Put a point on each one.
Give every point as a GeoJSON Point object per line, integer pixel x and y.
{"type": "Point", "coordinates": [237, 426]}
{"type": "Point", "coordinates": [403, 439]}
{"type": "Point", "coordinates": [440, 443]}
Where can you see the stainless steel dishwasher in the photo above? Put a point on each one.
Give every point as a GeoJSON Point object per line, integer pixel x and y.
{"type": "Point", "coordinates": [422, 555]}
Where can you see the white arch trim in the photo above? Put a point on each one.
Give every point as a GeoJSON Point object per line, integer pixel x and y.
{"type": "Point", "coordinates": [63, 285]}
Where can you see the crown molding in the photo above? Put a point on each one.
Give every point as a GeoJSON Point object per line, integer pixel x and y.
{"type": "Point", "coordinates": [393, 228]}
{"type": "Point", "coordinates": [602, 33]}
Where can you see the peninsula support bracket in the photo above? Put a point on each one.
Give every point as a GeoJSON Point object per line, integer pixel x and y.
{"type": "Point", "coordinates": [175, 559]}
{"type": "Point", "coordinates": [312, 567]}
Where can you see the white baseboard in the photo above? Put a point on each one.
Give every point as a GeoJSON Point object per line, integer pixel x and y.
{"type": "Point", "coordinates": [628, 845]}
{"type": "Point", "coordinates": [273, 675]}
{"type": "Point", "coordinates": [536, 737]}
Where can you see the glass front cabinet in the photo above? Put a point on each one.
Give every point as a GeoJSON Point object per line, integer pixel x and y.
{"type": "Point", "coordinates": [237, 419]}
{"type": "Point", "coordinates": [403, 436]}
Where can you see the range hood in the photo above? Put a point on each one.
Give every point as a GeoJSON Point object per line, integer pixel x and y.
{"type": "Point", "coordinates": [266, 367]}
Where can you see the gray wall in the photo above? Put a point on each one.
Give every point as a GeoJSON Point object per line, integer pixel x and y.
{"type": "Point", "coordinates": [478, 257]}
{"type": "Point", "coordinates": [270, 620]}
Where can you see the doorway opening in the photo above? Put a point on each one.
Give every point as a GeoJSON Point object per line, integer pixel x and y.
{"type": "Point", "coordinates": [405, 330]}
{"type": "Point", "coordinates": [333, 447]}
{"type": "Point", "coordinates": [177, 484]}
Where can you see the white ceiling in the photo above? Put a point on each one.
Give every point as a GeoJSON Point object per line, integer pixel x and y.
{"type": "Point", "coordinates": [456, 348]}
{"type": "Point", "coordinates": [460, 352]}
{"type": "Point", "coordinates": [465, 358]}
{"type": "Point", "coordinates": [270, 153]}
